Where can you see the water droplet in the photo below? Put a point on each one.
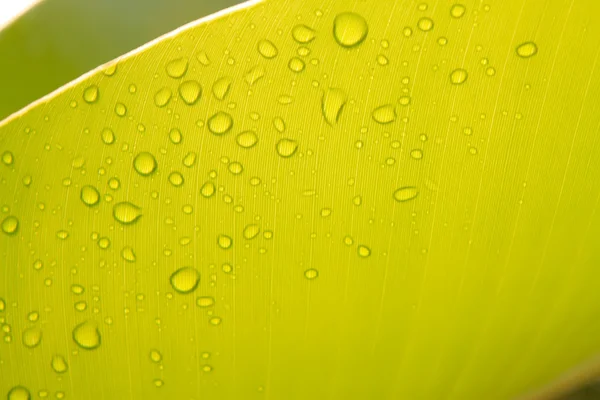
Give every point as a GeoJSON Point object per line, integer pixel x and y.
{"type": "Point", "coordinates": [7, 158]}
{"type": "Point", "coordinates": [254, 75]}
{"type": "Point", "coordinates": [91, 94]}
{"type": "Point", "coordinates": [385, 114]}
{"type": "Point", "coordinates": [177, 68]}
{"type": "Point", "coordinates": [279, 124]}
{"type": "Point", "coordinates": [458, 76]}
{"type": "Point", "coordinates": [407, 31]}
{"type": "Point", "coordinates": [363, 251]}
{"type": "Point", "coordinates": [189, 160]}
{"type": "Point", "coordinates": [120, 109]}
{"type": "Point", "coordinates": [10, 225]}
{"type": "Point", "coordinates": [406, 193]}
{"type": "Point", "coordinates": [108, 136]}
{"type": "Point", "coordinates": [59, 364]}
{"type": "Point", "coordinates": [185, 280]}
{"type": "Point", "coordinates": [296, 65]}
{"type": "Point", "coordinates": [32, 337]}
{"type": "Point", "coordinates": [208, 189]}
{"type": "Point", "coordinates": [19, 393]}
{"type": "Point", "coordinates": [490, 71]}
{"type": "Point", "coordinates": [77, 289]}
{"type": "Point", "coordinates": [176, 179]}
{"type": "Point", "coordinates": [145, 164]}
{"type": "Point", "coordinates": [87, 336]}
{"type": "Point", "coordinates": [205, 301]}
{"type": "Point", "coordinates": [162, 97]}
{"type": "Point", "coordinates": [247, 139]}
{"type": "Point", "coordinates": [267, 49]}
{"type": "Point", "coordinates": [126, 213]}
{"type": "Point", "coordinates": [311, 274]}
{"type": "Point", "coordinates": [190, 92]}
{"type": "Point", "coordinates": [104, 243]}
{"type": "Point", "coordinates": [175, 136]}
{"type": "Point", "coordinates": [286, 147]}
{"type": "Point", "coordinates": [303, 34]}
{"type": "Point", "coordinates": [221, 88]}
{"type": "Point", "coordinates": [425, 24]}
{"type": "Point", "coordinates": [2, 304]}
{"type": "Point", "coordinates": [332, 104]}
{"type": "Point", "coordinates": [220, 123]}
{"type": "Point", "coordinates": [203, 58]}
{"type": "Point", "coordinates": [90, 196]}
{"type": "Point", "coordinates": [382, 60]}
{"type": "Point", "coordinates": [155, 356]}
{"type": "Point", "coordinates": [350, 29]}
{"type": "Point", "coordinates": [128, 254]}
{"type": "Point", "coordinates": [251, 231]}
{"type": "Point", "coordinates": [442, 41]}
{"type": "Point", "coordinates": [111, 69]}
{"type": "Point", "coordinates": [416, 154]}
{"type": "Point", "coordinates": [457, 10]}
{"type": "Point", "coordinates": [527, 49]}
{"type": "Point", "coordinates": [62, 235]}
{"type": "Point", "coordinates": [224, 241]}
{"type": "Point", "coordinates": [215, 321]}
{"type": "Point", "coordinates": [404, 100]}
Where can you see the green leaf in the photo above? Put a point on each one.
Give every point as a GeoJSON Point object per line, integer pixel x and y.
{"type": "Point", "coordinates": [312, 200]}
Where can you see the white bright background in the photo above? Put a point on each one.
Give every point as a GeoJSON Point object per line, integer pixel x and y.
{"type": "Point", "coordinates": [12, 9]}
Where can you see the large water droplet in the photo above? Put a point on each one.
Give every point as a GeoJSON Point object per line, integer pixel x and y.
{"type": "Point", "coordinates": [220, 123]}
{"type": "Point", "coordinates": [385, 114]}
{"type": "Point", "coordinates": [406, 193]}
{"type": "Point", "coordinates": [267, 49]}
{"type": "Point", "coordinates": [87, 336]}
{"type": "Point", "coordinates": [350, 29]}
{"type": "Point", "coordinates": [527, 49]}
{"type": "Point", "coordinates": [144, 164]}
{"type": "Point", "coordinates": [10, 225]}
{"type": "Point", "coordinates": [91, 94]}
{"type": "Point", "coordinates": [332, 104]}
{"type": "Point", "coordinates": [59, 364]}
{"type": "Point", "coordinates": [221, 88]}
{"type": "Point", "coordinates": [458, 76]}
{"type": "Point", "coordinates": [32, 337]}
{"type": "Point", "coordinates": [185, 280]}
{"type": "Point", "coordinates": [303, 34]}
{"type": "Point", "coordinates": [90, 196]}
{"type": "Point", "coordinates": [286, 147]}
{"type": "Point", "coordinates": [126, 212]}
{"type": "Point", "coordinates": [190, 92]}
{"type": "Point", "coordinates": [177, 68]}
{"type": "Point", "coordinates": [19, 393]}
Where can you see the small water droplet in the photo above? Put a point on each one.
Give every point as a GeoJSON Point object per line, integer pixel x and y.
{"type": "Point", "coordinates": [251, 231]}
{"type": "Point", "coordinates": [350, 29]}
{"type": "Point", "coordinates": [175, 136]}
{"type": "Point", "coordinates": [364, 251]}
{"type": "Point", "coordinates": [208, 189]}
{"type": "Point", "coordinates": [91, 94]}
{"type": "Point", "coordinates": [32, 337]}
{"type": "Point", "coordinates": [59, 364]}
{"type": "Point", "coordinates": [90, 195]}
{"type": "Point", "coordinates": [185, 280]}
{"type": "Point", "coordinates": [7, 158]}
{"type": "Point", "coordinates": [406, 193]}
{"type": "Point", "coordinates": [332, 105]}
{"type": "Point", "coordinates": [177, 68]}
{"type": "Point", "coordinates": [416, 154]}
{"type": "Point", "coordinates": [190, 92]}
{"type": "Point", "coordinates": [10, 225]}
{"type": "Point", "coordinates": [224, 241]}
{"type": "Point", "coordinates": [384, 114]}
{"type": "Point", "coordinates": [267, 49]}
{"type": "Point", "coordinates": [162, 97]}
{"type": "Point", "coordinates": [254, 75]}
{"type": "Point", "coordinates": [458, 76]}
{"type": "Point", "coordinates": [303, 34]}
{"type": "Point", "coordinates": [286, 147]}
{"type": "Point", "coordinates": [108, 136]}
{"type": "Point", "coordinates": [247, 139]}
{"type": "Point", "coordinates": [155, 356]}
{"type": "Point", "coordinates": [120, 109]}
{"type": "Point", "coordinates": [144, 164]}
{"type": "Point", "coordinates": [425, 24]}
{"type": "Point", "coordinates": [128, 254]}
{"type": "Point", "coordinates": [457, 10]}
{"type": "Point", "coordinates": [176, 179]}
{"type": "Point", "coordinates": [87, 336]}
{"type": "Point", "coordinates": [203, 58]}
{"type": "Point", "coordinates": [527, 49]}
{"type": "Point", "coordinates": [311, 274]}
{"type": "Point", "coordinates": [296, 65]}
{"type": "Point", "coordinates": [205, 301]}
{"type": "Point", "coordinates": [189, 160]}
{"type": "Point", "coordinates": [220, 123]}
{"type": "Point", "coordinates": [126, 213]}
{"type": "Point", "coordinates": [221, 88]}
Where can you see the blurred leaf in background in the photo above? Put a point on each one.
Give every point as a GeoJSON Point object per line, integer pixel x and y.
{"type": "Point", "coordinates": [59, 40]}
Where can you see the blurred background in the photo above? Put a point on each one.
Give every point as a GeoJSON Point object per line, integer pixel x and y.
{"type": "Point", "coordinates": [45, 44]}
